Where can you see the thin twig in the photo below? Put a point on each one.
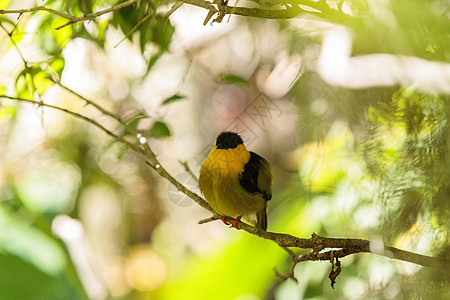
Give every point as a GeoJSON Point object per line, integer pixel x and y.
{"type": "Point", "coordinates": [99, 13]}
{"type": "Point", "coordinates": [82, 117]}
{"type": "Point", "coordinates": [92, 103]}
{"type": "Point", "coordinates": [207, 220]}
{"type": "Point", "coordinates": [34, 9]}
{"type": "Point", "coordinates": [148, 16]}
{"type": "Point", "coordinates": [147, 150]}
{"type": "Point", "coordinates": [15, 45]}
{"type": "Point", "coordinates": [72, 19]}
{"type": "Point", "coordinates": [290, 273]}
{"type": "Point", "coordinates": [188, 169]}
{"type": "Point", "coordinates": [22, 57]}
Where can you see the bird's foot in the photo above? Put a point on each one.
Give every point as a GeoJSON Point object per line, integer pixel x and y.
{"type": "Point", "coordinates": [235, 222]}
{"type": "Point", "coordinates": [224, 221]}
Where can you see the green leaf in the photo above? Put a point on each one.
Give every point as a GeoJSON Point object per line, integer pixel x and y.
{"type": "Point", "coordinates": [84, 34]}
{"type": "Point", "coordinates": [153, 60]}
{"type": "Point", "coordinates": [172, 99]}
{"type": "Point", "coordinates": [234, 79]}
{"type": "Point", "coordinates": [6, 20]}
{"type": "Point", "coordinates": [20, 279]}
{"type": "Point", "coordinates": [30, 244]}
{"type": "Point", "coordinates": [42, 82]}
{"type": "Point", "coordinates": [101, 35]}
{"type": "Point", "coordinates": [57, 65]}
{"type": "Point", "coordinates": [53, 41]}
{"type": "Point", "coordinates": [85, 6]}
{"type": "Point", "coordinates": [163, 32]}
{"type": "Point", "coordinates": [127, 17]}
{"type": "Point", "coordinates": [145, 34]}
{"type": "Point", "coordinates": [133, 120]}
{"type": "Point", "coordinates": [22, 81]}
{"type": "Point", "coordinates": [158, 130]}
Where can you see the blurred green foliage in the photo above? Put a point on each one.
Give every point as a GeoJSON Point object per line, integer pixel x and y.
{"type": "Point", "coordinates": [406, 150]}
{"type": "Point", "coordinates": [402, 27]}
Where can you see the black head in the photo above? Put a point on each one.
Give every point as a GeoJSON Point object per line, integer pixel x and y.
{"type": "Point", "coordinates": [228, 140]}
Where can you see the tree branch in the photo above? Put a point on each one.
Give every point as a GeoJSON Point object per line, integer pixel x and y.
{"type": "Point", "coordinates": [72, 19]}
{"type": "Point", "coordinates": [290, 273]}
{"type": "Point", "coordinates": [22, 57]}
{"type": "Point", "coordinates": [95, 105]}
{"type": "Point", "coordinates": [84, 118]}
{"type": "Point", "coordinates": [34, 9]}
{"type": "Point", "coordinates": [188, 169]}
{"type": "Point", "coordinates": [319, 9]}
{"type": "Point", "coordinates": [317, 243]}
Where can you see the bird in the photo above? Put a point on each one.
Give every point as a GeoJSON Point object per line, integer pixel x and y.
{"type": "Point", "coordinates": [236, 182]}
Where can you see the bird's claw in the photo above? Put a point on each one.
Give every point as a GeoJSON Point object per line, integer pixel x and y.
{"type": "Point", "coordinates": [224, 221]}
{"type": "Point", "coordinates": [235, 222]}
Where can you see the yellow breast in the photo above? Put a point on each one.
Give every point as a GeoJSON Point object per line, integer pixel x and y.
{"type": "Point", "coordinates": [219, 182]}
{"type": "Point", "coordinates": [227, 162]}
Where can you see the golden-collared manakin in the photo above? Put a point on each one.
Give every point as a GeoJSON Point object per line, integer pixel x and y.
{"type": "Point", "coordinates": [236, 182]}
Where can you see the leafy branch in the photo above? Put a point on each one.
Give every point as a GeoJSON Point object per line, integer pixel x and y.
{"type": "Point", "coordinates": [293, 10]}
{"type": "Point", "coordinates": [72, 19]}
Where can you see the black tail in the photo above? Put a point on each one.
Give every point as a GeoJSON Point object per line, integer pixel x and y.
{"type": "Point", "coordinates": [261, 218]}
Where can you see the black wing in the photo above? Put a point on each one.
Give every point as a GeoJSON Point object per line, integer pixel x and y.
{"type": "Point", "coordinates": [257, 176]}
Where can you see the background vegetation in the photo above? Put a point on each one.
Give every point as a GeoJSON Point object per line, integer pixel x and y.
{"type": "Point", "coordinates": [347, 99]}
